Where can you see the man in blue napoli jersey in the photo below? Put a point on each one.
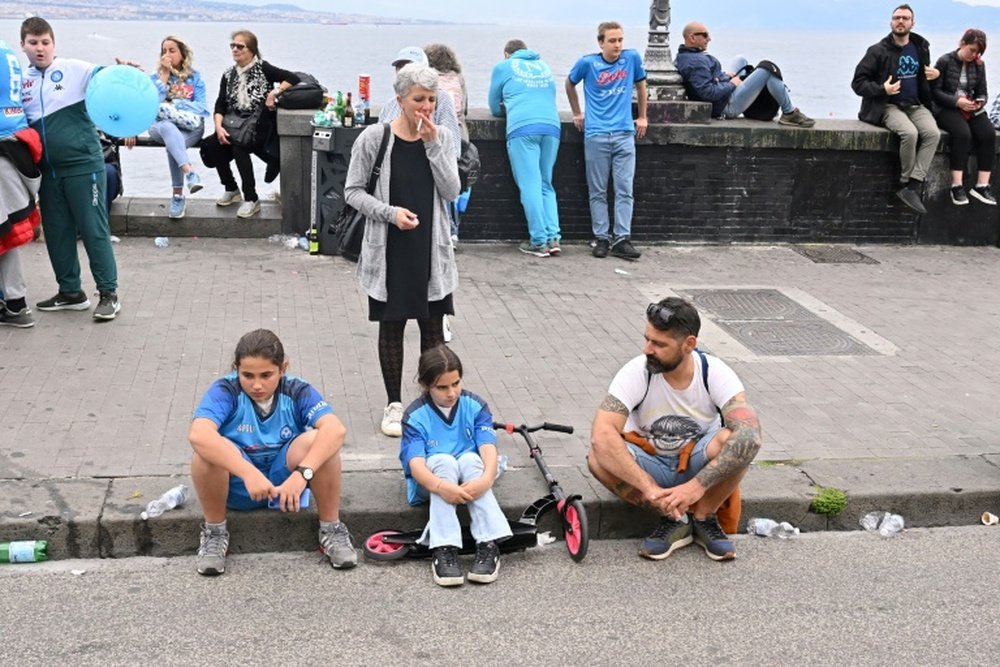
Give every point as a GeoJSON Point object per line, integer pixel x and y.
{"type": "Point", "coordinates": [609, 133]}
{"type": "Point", "coordinates": [259, 435]}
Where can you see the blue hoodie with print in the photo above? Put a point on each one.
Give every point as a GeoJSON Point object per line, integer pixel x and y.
{"type": "Point", "coordinates": [527, 88]}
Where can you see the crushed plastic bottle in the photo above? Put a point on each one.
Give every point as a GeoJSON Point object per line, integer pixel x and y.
{"type": "Point", "coordinates": [161, 241]}
{"type": "Point", "coordinates": [175, 497]}
{"type": "Point", "coordinates": [771, 528]}
{"type": "Point", "coordinates": [303, 242]}
{"type": "Point", "coordinates": [885, 524]}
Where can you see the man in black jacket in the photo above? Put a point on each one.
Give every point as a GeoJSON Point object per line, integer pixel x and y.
{"type": "Point", "coordinates": [892, 80]}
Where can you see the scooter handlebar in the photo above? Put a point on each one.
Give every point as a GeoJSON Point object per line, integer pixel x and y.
{"type": "Point", "coordinates": [545, 426]}
{"type": "Point", "coordinates": [561, 428]}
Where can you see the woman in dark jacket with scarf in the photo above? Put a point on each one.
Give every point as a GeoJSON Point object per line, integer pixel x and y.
{"type": "Point", "coordinates": [959, 107]}
{"type": "Point", "coordinates": [247, 87]}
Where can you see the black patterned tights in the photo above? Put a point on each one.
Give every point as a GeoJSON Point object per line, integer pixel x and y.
{"type": "Point", "coordinates": [390, 350]}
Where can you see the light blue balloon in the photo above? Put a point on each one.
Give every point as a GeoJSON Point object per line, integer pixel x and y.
{"type": "Point", "coordinates": [122, 101]}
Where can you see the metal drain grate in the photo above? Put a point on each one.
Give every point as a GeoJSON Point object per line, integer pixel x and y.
{"type": "Point", "coordinates": [768, 323]}
{"type": "Point", "coordinates": [833, 254]}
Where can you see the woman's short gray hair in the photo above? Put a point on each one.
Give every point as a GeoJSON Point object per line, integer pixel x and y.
{"type": "Point", "coordinates": [412, 75]}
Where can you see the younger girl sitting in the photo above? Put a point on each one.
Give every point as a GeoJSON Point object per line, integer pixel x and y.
{"type": "Point", "coordinates": [449, 457]}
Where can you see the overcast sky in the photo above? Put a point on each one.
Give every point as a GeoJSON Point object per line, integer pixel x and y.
{"type": "Point", "coordinates": [628, 12]}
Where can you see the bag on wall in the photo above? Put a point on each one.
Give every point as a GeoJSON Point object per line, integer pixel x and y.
{"type": "Point", "coordinates": [306, 94]}
{"type": "Point", "coordinates": [468, 164]}
{"type": "Point", "coordinates": [765, 107]}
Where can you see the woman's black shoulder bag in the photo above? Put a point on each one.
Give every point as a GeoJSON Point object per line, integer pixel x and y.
{"type": "Point", "coordinates": [349, 229]}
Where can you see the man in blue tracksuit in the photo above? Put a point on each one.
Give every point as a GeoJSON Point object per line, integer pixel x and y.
{"type": "Point", "coordinates": [523, 85]}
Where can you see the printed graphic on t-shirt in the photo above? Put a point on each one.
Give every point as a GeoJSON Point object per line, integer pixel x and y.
{"type": "Point", "coordinates": [671, 432]}
{"type": "Point", "coordinates": [906, 73]}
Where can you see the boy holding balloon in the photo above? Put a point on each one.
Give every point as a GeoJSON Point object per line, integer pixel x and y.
{"type": "Point", "coordinates": [73, 181]}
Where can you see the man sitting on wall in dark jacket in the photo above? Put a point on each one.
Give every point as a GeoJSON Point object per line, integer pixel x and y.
{"type": "Point", "coordinates": [892, 80]}
{"type": "Point", "coordinates": [732, 93]}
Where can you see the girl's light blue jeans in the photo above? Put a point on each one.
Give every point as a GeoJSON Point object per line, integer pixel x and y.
{"type": "Point", "coordinates": [177, 142]}
{"type": "Point", "coordinates": [443, 528]}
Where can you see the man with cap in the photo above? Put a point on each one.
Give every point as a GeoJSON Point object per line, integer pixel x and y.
{"type": "Point", "coordinates": [445, 114]}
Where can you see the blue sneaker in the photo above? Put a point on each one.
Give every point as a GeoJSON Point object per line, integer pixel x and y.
{"type": "Point", "coordinates": [193, 182]}
{"type": "Point", "coordinates": [709, 535]}
{"type": "Point", "coordinates": [669, 536]}
{"type": "Point", "coordinates": [177, 206]}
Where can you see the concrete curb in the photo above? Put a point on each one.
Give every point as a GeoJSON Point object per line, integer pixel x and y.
{"type": "Point", "coordinates": [99, 518]}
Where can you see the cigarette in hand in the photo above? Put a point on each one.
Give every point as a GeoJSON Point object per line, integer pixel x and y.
{"type": "Point", "coordinates": [420, 121]}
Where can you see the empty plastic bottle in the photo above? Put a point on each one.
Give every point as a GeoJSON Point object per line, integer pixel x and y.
{"type": "Point", "coordinates": [25, 551]}
{"type": "Point", "coordinates": [161, 241]}
{"type": "Point", "coordinates": [173, 498]}
{"type": "Point", "coordinates": [886, 524]}
{"type": "Point", "coordinates": [771, 528]}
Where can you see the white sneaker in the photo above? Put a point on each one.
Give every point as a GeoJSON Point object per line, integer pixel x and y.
{"type": "Point", "coordinates": [248, 209]}
{"type": "Point", "coordinates": [229, 197]}
{"type": "Point", "coordinates": [392, 419]}
{"type": "Point", "coordinates": [447, 329]}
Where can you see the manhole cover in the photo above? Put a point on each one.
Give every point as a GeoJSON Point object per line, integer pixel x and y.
{"type": "Point", "coordinates": [768, 323]}
{"type": "Point", "coordinates": [747, 304]}
{"type": "Point", "coordinates": [817, 337]}
{"type": "Point", "coordinates": [833, 254]}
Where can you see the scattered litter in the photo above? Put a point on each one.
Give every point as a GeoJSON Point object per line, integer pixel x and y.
{"type": "Point", "coordinates": [771, 528]}
{"type": "Point", "coordinates": [161, 241]}
{"type": "Point", "coordinates": [77, 573]}
{"type": "Point", "coordinates": [290, 241]}
{"type": "Point", "coordinates": [169, 500]}
{"type": "Point", "coordinates": [886, 524]}
{"type": "Point", "coordinates": [135, 494]}
{"type": "Point", "coordinates": [115, 239]}
{"type": "Point", "coordinates": [24, 514]}
{"type": "Point", "coordinates": [545, 538]}
{"type": "Point", "coordinates": [621, 272]}
{"type": "Point", "coordinates": [990, 519]}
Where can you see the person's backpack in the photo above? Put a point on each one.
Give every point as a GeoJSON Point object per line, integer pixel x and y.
{"type": "Point", "coordinates": [765, 107]}
{"type": "Point", "coordinates": [306, 94]}
{"type": "Point", "coordinates": [468, 164]}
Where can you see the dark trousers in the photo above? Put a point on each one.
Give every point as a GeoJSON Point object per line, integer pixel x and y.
{"type": "Point", "coordinates": [217, 156]}
{"type": "Point", "coordinates": [964, 134]}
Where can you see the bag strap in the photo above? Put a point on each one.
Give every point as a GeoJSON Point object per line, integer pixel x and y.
{"type": "Point", "coordinates": [377, 168]}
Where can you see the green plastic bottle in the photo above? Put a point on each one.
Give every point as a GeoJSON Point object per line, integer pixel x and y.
{"type": "Point", "coordinates": [27, 551]}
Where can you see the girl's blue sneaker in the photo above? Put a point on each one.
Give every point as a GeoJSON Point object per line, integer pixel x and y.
{"type": "Point", "coordinates": [177, 206]}
{"type": "Point", "coordinates": [193, 182]}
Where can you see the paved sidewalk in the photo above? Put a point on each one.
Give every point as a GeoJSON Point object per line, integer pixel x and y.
{"type": "Point", "coordinates": [92, 415]}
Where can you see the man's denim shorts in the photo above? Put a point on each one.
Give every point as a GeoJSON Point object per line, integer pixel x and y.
{"type": "Point", "coordinates": [663, 469]}
{"type": "Point", "coordinates": [239, 498]}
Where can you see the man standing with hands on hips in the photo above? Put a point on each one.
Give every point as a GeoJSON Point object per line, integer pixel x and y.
{"type": "Point", "coordinates": [892, 80]}
{"type": "Point", "coordinates": [609, 134]}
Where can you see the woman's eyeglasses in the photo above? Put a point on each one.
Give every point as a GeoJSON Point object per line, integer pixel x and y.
{"type": "Point", "coordinates": [238, 47]}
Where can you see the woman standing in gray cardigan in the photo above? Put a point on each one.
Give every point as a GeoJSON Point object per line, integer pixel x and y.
{"type": "Point", "coordinates": [407, 265]}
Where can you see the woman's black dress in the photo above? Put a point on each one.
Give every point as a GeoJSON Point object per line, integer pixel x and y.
{"type": "Point", "coordinates": [408, 253]}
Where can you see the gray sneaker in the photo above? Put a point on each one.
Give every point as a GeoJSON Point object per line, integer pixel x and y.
{"type": "Point", "coordinates": [107, 307]}
{"type": "Point", "coordinates": [912, 199]}
{"type": "Point", "coordinates": [796, 118]}
{"type": "Point", "coordinates": [65, 301]}
{"type": "Point", "coordinates": [229, 197]}
{"type": "Point", "coordinates": [529, 248]}
{"type": "Point", "coordinates": [338, 547]}
{"type": "Point", "coordinates": [22, 319]}
{"type": "Point", "coordinates": [212, 552]}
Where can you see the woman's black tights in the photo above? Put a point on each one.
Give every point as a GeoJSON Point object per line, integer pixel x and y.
{"type": "Point", "coordinates": [390, 350]}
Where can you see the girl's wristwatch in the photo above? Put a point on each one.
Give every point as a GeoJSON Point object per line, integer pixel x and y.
{"type": "Point", "coordinates": [307, 474]}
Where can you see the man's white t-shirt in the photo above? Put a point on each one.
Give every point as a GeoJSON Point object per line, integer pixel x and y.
{"type": "Point", "coordinates": [668, 417]}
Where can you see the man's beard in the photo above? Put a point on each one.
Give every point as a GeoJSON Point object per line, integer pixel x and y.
{"type": "Point", "coordinates": [655, 366]}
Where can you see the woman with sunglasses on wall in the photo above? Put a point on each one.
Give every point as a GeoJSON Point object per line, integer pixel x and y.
{"type": "Point", "coordinates": [249, 88]}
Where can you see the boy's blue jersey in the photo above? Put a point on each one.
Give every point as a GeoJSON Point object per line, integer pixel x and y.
{"type": "Point", "coordinates": [426, 431]}
{"type": "Point", "coordinates": [296, 407]}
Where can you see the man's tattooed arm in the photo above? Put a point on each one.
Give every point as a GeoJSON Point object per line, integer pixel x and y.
{"type": "Point", "coordinates": [612, 404]}
{"type": "Point", "coordinates": [742, 445]}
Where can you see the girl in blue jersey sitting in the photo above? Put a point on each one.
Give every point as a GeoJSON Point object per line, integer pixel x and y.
{"type": "Point", "coordinates": [259, 434]}
{"type": "Point", "coordinates": [449, 457]}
